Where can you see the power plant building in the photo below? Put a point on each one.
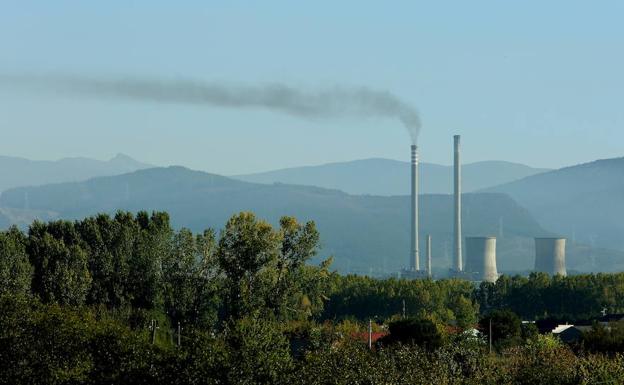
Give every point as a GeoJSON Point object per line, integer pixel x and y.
{"type": "Point", "coordinates": [481, 258]}
{"type": "Point", "coordinates": [550, 255]}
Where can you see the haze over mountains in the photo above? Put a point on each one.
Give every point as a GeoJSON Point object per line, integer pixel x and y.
{"type": "Point", "coordinates": [370, 230]}
{"type": "Point", "coordinates": [364, 233]}
{"type": "Point", "coordinates": [17, 172]}
{"type": "Point", "coordinates": [388, 177]}
{"type": "Point", "coordinates": [367, 176]}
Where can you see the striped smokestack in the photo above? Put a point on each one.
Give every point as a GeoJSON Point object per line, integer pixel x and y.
{"type": "Point", "coordinates": [414, 254]}
{"type": "Point", "coordinates": [457, 241]}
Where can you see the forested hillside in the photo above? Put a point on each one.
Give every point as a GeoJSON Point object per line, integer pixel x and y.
{"type": "Point", "coordinates": [365, 234]}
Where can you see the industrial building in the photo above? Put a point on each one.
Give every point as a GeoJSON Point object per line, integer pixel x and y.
{"type": "Point", "coordinates": [479, 262]}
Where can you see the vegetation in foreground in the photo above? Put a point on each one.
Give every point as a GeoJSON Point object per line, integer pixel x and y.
{"type": "Point", "coordinates": [126, 299]}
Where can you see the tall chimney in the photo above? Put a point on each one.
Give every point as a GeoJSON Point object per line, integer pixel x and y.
{"type": "Point", "coordinates": [429, 255]}
{"type": "Point", "coordinates": [457, 241]}
{"type": "Point", "coordinates": [414, 257]}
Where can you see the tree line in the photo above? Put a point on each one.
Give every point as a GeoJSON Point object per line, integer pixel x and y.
{"type": "Point", "coordinates": [139, 263]}
{"type": "Point", "coordinates": [100, 300]}
{"type": "Point", "coordinates": [538, 296]}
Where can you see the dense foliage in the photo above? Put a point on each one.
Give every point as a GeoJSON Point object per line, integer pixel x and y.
{"type": "Point", "coordinates": [540, 295]}
{"type": "Point", "coordinates": [413, 331]}
{"type": "Point", "coordinates": [363, 297]}
{"type": "Point", "coordinates": [53, 344]}
{"type": "Point", "coordinates": [127, 299]}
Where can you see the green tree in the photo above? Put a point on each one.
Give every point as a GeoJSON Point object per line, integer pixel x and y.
{"type": "Point", "coordinates": [299, 243]}
{"type": "Point", "coordinates": [258, 352]}
{"type": "Point", "coordinates": [545, 360]}
{"type": "Point", "coordinates": [52, 348]}
{"type": "Point", "coordinates": [154, 243]}
{"type": "Point", "coordinates": [465, 312]}
{"type": "Point", "coordinates": [418, 331]}
{"type": "Point", "coordinates": [605, 339]}
{"type": "Point", "coordinates": [190, 278]}
{"type": "Point", "coordinates": [265, 269]}
{"type": "Point", "coordinates": [506, 327]}
{"type": "Point", "coordinates": [246, 247]}
{"type": "Point", "coordinates": [61, 272]}
{"type": "Point", "coordinates": [93, 231]}
{"type": "Point", "coordinates": [122, 356]}
{"type": "Point", "coordinates": [180, 276]}
{"type": "Point", "coordinates": [15, 269]}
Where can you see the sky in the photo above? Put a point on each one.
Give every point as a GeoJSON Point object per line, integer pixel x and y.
{"type": "Point", "coordinates": [534, 82]}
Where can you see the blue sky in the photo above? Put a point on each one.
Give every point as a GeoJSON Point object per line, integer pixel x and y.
{"type": "Point", "coordinates": [536, 82]}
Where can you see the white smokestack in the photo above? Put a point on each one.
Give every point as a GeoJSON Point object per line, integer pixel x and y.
{"type": "Point", "coordinates": [457, 241]}
{"type": "Point", "coordinates": [414, 255]}
{"type": "Point", "coordinates": [429, 255]}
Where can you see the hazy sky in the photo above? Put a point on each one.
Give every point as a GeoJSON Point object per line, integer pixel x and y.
{"type": "Point", "coordinates": [537, 82]}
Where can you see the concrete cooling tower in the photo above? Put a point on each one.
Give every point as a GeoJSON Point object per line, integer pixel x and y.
{"type": "Point", "coordinates": [550, 255]}
{"type": "Point", "coordinates": [481, 258]}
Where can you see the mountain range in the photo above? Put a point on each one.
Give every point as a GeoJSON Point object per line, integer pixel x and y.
{"type": "Point", "coordinates": [367, 176]}
{"type": "Point", "coordinates": [365, 234]}
{"type": "Point", "coordinates": [17, 172]}
{"type": "Point", "coordinates": [388, 177]}
{"type": "Point", "coordinates": [364, 227]}
{"type": "Point", "coordinates": [583, 202]}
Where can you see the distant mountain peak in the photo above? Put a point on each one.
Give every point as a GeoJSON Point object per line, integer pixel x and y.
{"type": "Point", "coordinates": [18, 172]}
{"type": "Point", "coordinates": [121, 157]}
{"type": "Point", "coordinates": [380, 176]}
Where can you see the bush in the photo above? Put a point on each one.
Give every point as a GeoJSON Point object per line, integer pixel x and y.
{"type": "Point", "coordinates": [258, 352]}
{"type": "Point", "coordinates": [506, 328]}
{"type": "Point", "coordinates": [422, 332]}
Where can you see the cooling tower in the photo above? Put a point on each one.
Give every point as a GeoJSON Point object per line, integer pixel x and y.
{"type": "Point", "coordinates": [481, 258]}
{"type": "Point", "coordinates": [457, 230]}
{"type": "Point", "coordinates": [550, 255]}
{"type": "Point", "coordinates": [414, 257]}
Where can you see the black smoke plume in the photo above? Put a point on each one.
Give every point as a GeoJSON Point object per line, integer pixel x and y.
{"type": "Point", "coordinates": [324, 103]}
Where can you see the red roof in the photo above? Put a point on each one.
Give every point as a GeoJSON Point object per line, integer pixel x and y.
{"type": "Point", "coordinates": [364, 336]}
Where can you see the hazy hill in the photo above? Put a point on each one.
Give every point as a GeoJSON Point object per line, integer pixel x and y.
{"type": "Point", "coordinates": [362, 232]}
{"type": "Point", "coordinates": [391, 177]}
{"type": "Point", "coordinates": [16, 172]}
{"type": "Point", "coordinates": [585, 202]}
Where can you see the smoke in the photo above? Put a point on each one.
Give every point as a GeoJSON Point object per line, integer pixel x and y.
{"type": "Point", "coordinates": [325, 103]}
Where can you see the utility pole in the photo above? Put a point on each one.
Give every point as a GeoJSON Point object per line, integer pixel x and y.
{"type": "Point", "coordinates": [153, 331]}
{"type": "Point", "coordinates": [179, 335]}
{"type": "Point", "coordinates": [370, 334]}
